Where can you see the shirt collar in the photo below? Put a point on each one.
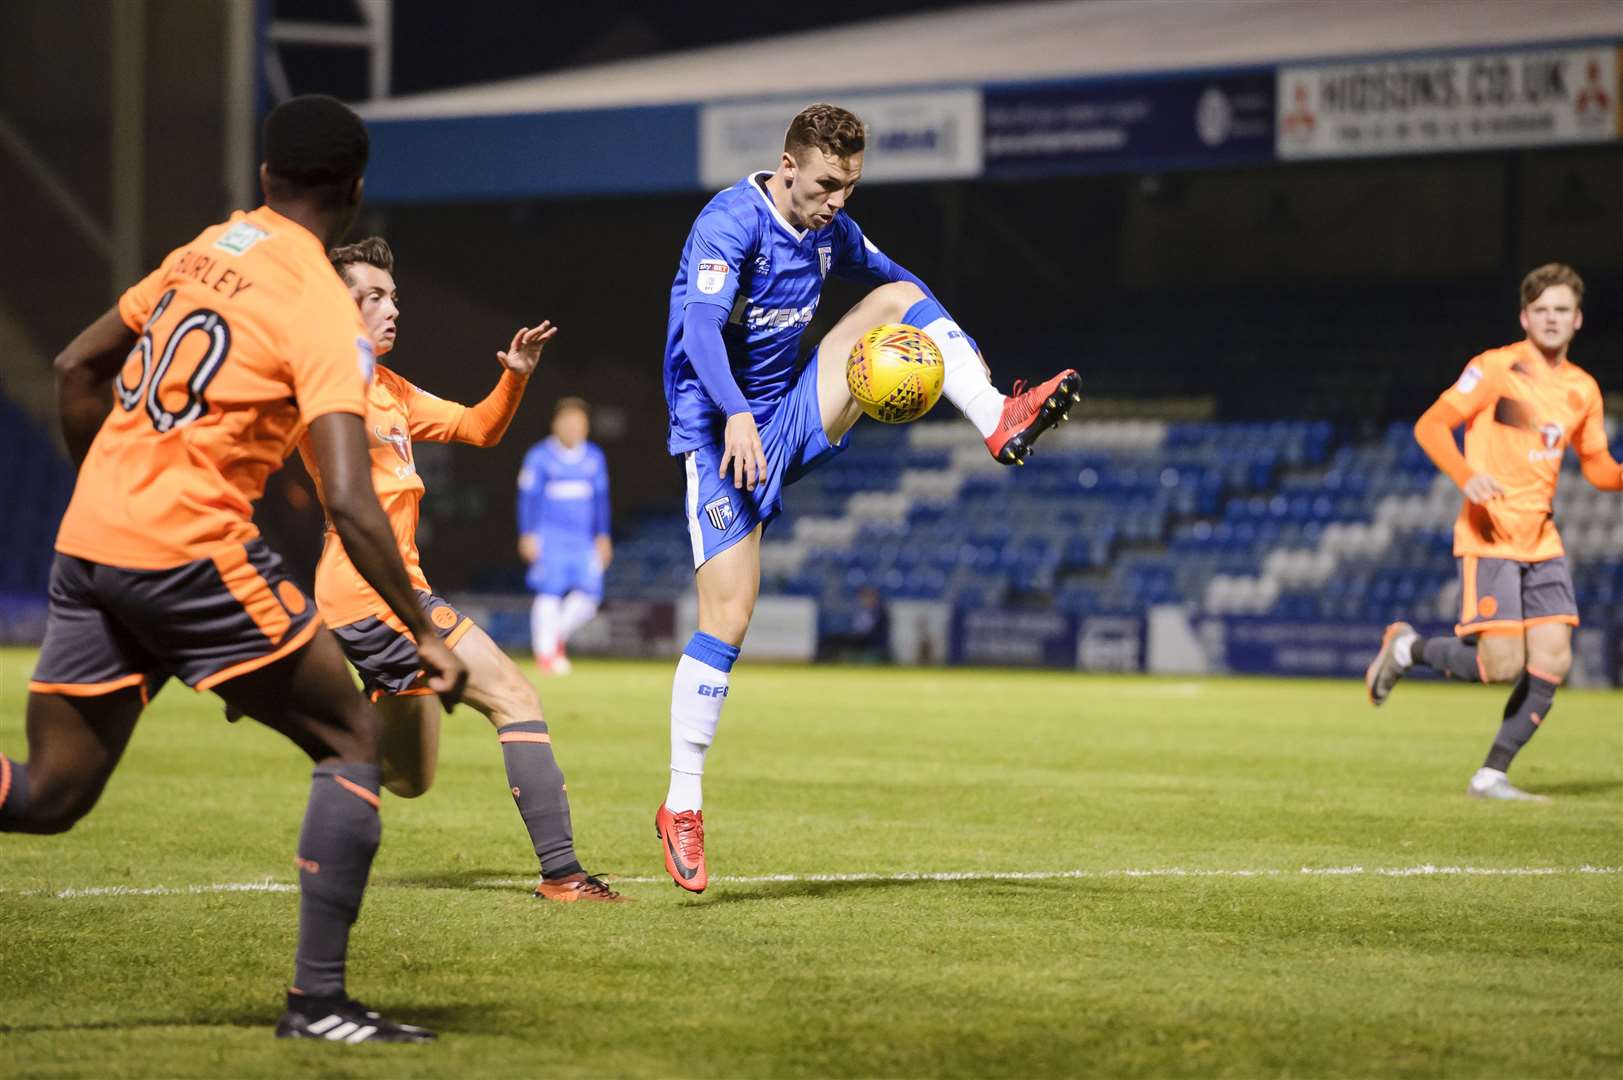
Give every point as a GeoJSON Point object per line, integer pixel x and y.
{"type": "Point", "coordinates": [756, 182]}
{"type": "Point", "coordinates": [564, 453]}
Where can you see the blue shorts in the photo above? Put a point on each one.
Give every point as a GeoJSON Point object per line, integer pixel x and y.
{"type": "Point", "coordinates": [566, 566]}
{"type": "Point", "coordinates": [720, 515]}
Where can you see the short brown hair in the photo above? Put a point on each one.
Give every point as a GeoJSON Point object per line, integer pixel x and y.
{"type": "Point", "coordinates": [1543, 277]}
{"type": "Point", "coordinates": [566, 403]}
{"type": "Point", "coordinates": [835, 131]}
{"type": "Point", "coordinates": [373, 251]}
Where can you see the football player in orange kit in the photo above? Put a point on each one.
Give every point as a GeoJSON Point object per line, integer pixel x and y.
{"type": "Point", "coordinates": [212, 364]}
{"type": "Point", "coordinates": [381, 647]}
{"type": "Point", "coordinates": [1524, 405]}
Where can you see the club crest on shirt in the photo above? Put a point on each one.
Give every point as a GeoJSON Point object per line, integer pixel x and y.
{"type": "Point", "coordinates": [762, 266]}
{"type": "Point", "coordinates": [825, 259]}
{"type": "Point", "coordinates": [720, 513]}
{"type": "Point", "coordinates": [397, 439]}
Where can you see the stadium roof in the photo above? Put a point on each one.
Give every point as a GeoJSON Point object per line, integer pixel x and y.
{"type": "Point", "coordinates": [1010, 42]}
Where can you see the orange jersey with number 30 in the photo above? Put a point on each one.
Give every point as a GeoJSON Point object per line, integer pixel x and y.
{"type": "Point", "coordinates": [1521, 416]}
{"type": "Point", "coordinates": [246, 334]}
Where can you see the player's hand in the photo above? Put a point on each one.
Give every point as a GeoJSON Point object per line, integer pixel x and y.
{"type": "Point", "coordinates": [742, 451]}
{"type": "Point", "coordinates": [529, 547]}
{"type": "Point", "coordinates": [525, 351]}
{"type": "Point", "coordinates": [444, 673]}
{"type": "Point", "coordinates": [1482, 489]}
{"type": "Point", "coordinates": [605, 552]}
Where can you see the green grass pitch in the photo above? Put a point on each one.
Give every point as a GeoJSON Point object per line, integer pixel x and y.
{"type": "Point", "coordinates": [829, 771]}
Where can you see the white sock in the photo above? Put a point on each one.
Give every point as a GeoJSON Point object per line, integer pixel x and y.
{"type": "Point", "coordinates": [967, 385]}
{"type": "Point", "coordinates": [577, 611]}
{"type": "Point", "coordinates": [1403, 650]}
{"type": "Point", "coordinates": [544, 626]}
{"type": "Point", "coordinates": [697, 695]}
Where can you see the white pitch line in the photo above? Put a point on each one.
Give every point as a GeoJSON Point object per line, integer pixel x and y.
{"type": "Point", "coordinates": [266, 886]}
{"type": "Point", "coordinates": [1423, 870]}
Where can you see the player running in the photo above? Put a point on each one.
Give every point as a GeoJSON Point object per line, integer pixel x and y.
{"type": "Point", "coordinates": [748, 419]}
{"type": "Point", "coordinates": [212, 363]}
{"type": "Point", "coordinates": [563, 525]}
{"type": "Point", "coordinates": [383, 647]}
{"type": "Point", "coordinates": [1523, 404]}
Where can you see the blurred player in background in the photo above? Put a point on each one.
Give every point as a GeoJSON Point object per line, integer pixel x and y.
{"type": "Point", "coordinates": [213, 363]}
{"type": "Point", "coordinates": [382, 648]}
{"type": "Point", "coordinates": [1523, 405]}
{"type": "Point", "coordinates": [748, 418]}
{"type": "Point", "coordinates": [563, 525]}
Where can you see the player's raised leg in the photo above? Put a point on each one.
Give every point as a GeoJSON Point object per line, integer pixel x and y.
{"type": "Point", "coordinates": [499, 690]}
{"type": "Point", "coordinates": [74, 743]}
{"type": "Point", "coordinates": [1010, 425]}
{"type": "Point", "coordinates": [308, 696]}
{"type": "Point", "coordinates": [1486, 646]}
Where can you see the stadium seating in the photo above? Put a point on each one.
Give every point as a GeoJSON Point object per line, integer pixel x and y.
{"type": "Point", "coordinates": [35, 485]}
{"type": "Point", "coordinates": [1295, 520]}
{"type": "Point", "coordinates": [1290, 520]}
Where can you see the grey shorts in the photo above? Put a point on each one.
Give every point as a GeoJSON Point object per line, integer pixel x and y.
{"type": "Point", "coordinates": [1502, 596]}
{"type": "Point", "coordinates": [386, 656]}
{"type": "Point", "coordinates": [206, 622]}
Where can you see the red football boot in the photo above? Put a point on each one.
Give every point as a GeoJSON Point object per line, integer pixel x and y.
{"type": "Point", "coordinates": [575, 887]}
{"type": "Point", "coordinates": [1027, 413]}
{"type": "Point", "coordinates": [684, 847]}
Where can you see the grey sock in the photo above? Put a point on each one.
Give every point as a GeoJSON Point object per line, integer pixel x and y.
{"type": "Point", "coordinates": [340, 836]}
{"type": "Point", "coordinates": [13, 792]}
{"type": "Point", "coordinates": [1449, 655]}
{"type": "Point", "coordinates": [1529, 704]}
{"type": "Point", "coordinates": [543, 800]}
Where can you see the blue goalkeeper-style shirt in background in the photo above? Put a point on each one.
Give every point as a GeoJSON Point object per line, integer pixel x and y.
{"type": "Point", "coordinates": [563, 498]}
{"type": "Point", "coordinates": [744, 257]}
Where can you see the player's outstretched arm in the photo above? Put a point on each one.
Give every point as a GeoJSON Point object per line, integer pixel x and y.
{"type": "Point", "coordinates": [483, 424]}
{"type": "Point", "coordinates": [1434, 431]}
{"type": "Point", "coordinates": [344, 461]}
{"type": "Point", "coordinates": [83, 371]}
{"type": "Point", "coordinates": [525, 351]}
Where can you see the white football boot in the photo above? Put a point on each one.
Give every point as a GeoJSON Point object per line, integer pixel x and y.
{"type": "Point", "coordinates": [1491, 784]}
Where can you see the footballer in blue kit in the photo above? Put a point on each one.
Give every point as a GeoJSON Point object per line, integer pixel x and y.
{"type": "Point", "coordinates": [563, 524]}
{"type": "Point", "coordinates": [748, 418]}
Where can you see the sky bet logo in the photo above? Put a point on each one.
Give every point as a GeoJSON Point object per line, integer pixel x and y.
{"type": "Point", "coordinates": [712, 691]}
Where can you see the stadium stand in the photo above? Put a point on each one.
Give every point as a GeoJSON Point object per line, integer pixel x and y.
{"type": "Point", "coordinates": [1292, 520]}
{"type": "Point", "coordinates": [35, 484]}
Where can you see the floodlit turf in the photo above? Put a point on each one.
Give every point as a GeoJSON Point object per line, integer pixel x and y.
{"type": "Point", "coordinates": [862, 771]}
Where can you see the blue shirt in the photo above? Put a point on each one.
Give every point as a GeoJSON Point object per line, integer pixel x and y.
{"type": "Point", "coordinates": [745, 258]}
{"type": "Point", "coordinates": [563, 494]}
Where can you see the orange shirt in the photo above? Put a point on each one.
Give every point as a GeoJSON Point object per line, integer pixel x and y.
{"type": "Point", "coordinates": [1521, 415]}
{"type": "Point", "coordinates": [396, 413]}
{"type": "Point", "coordinates": [245, 333]}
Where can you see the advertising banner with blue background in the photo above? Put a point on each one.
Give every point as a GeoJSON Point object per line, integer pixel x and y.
{"type": "Point", "coordinates": [1148, 122]}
